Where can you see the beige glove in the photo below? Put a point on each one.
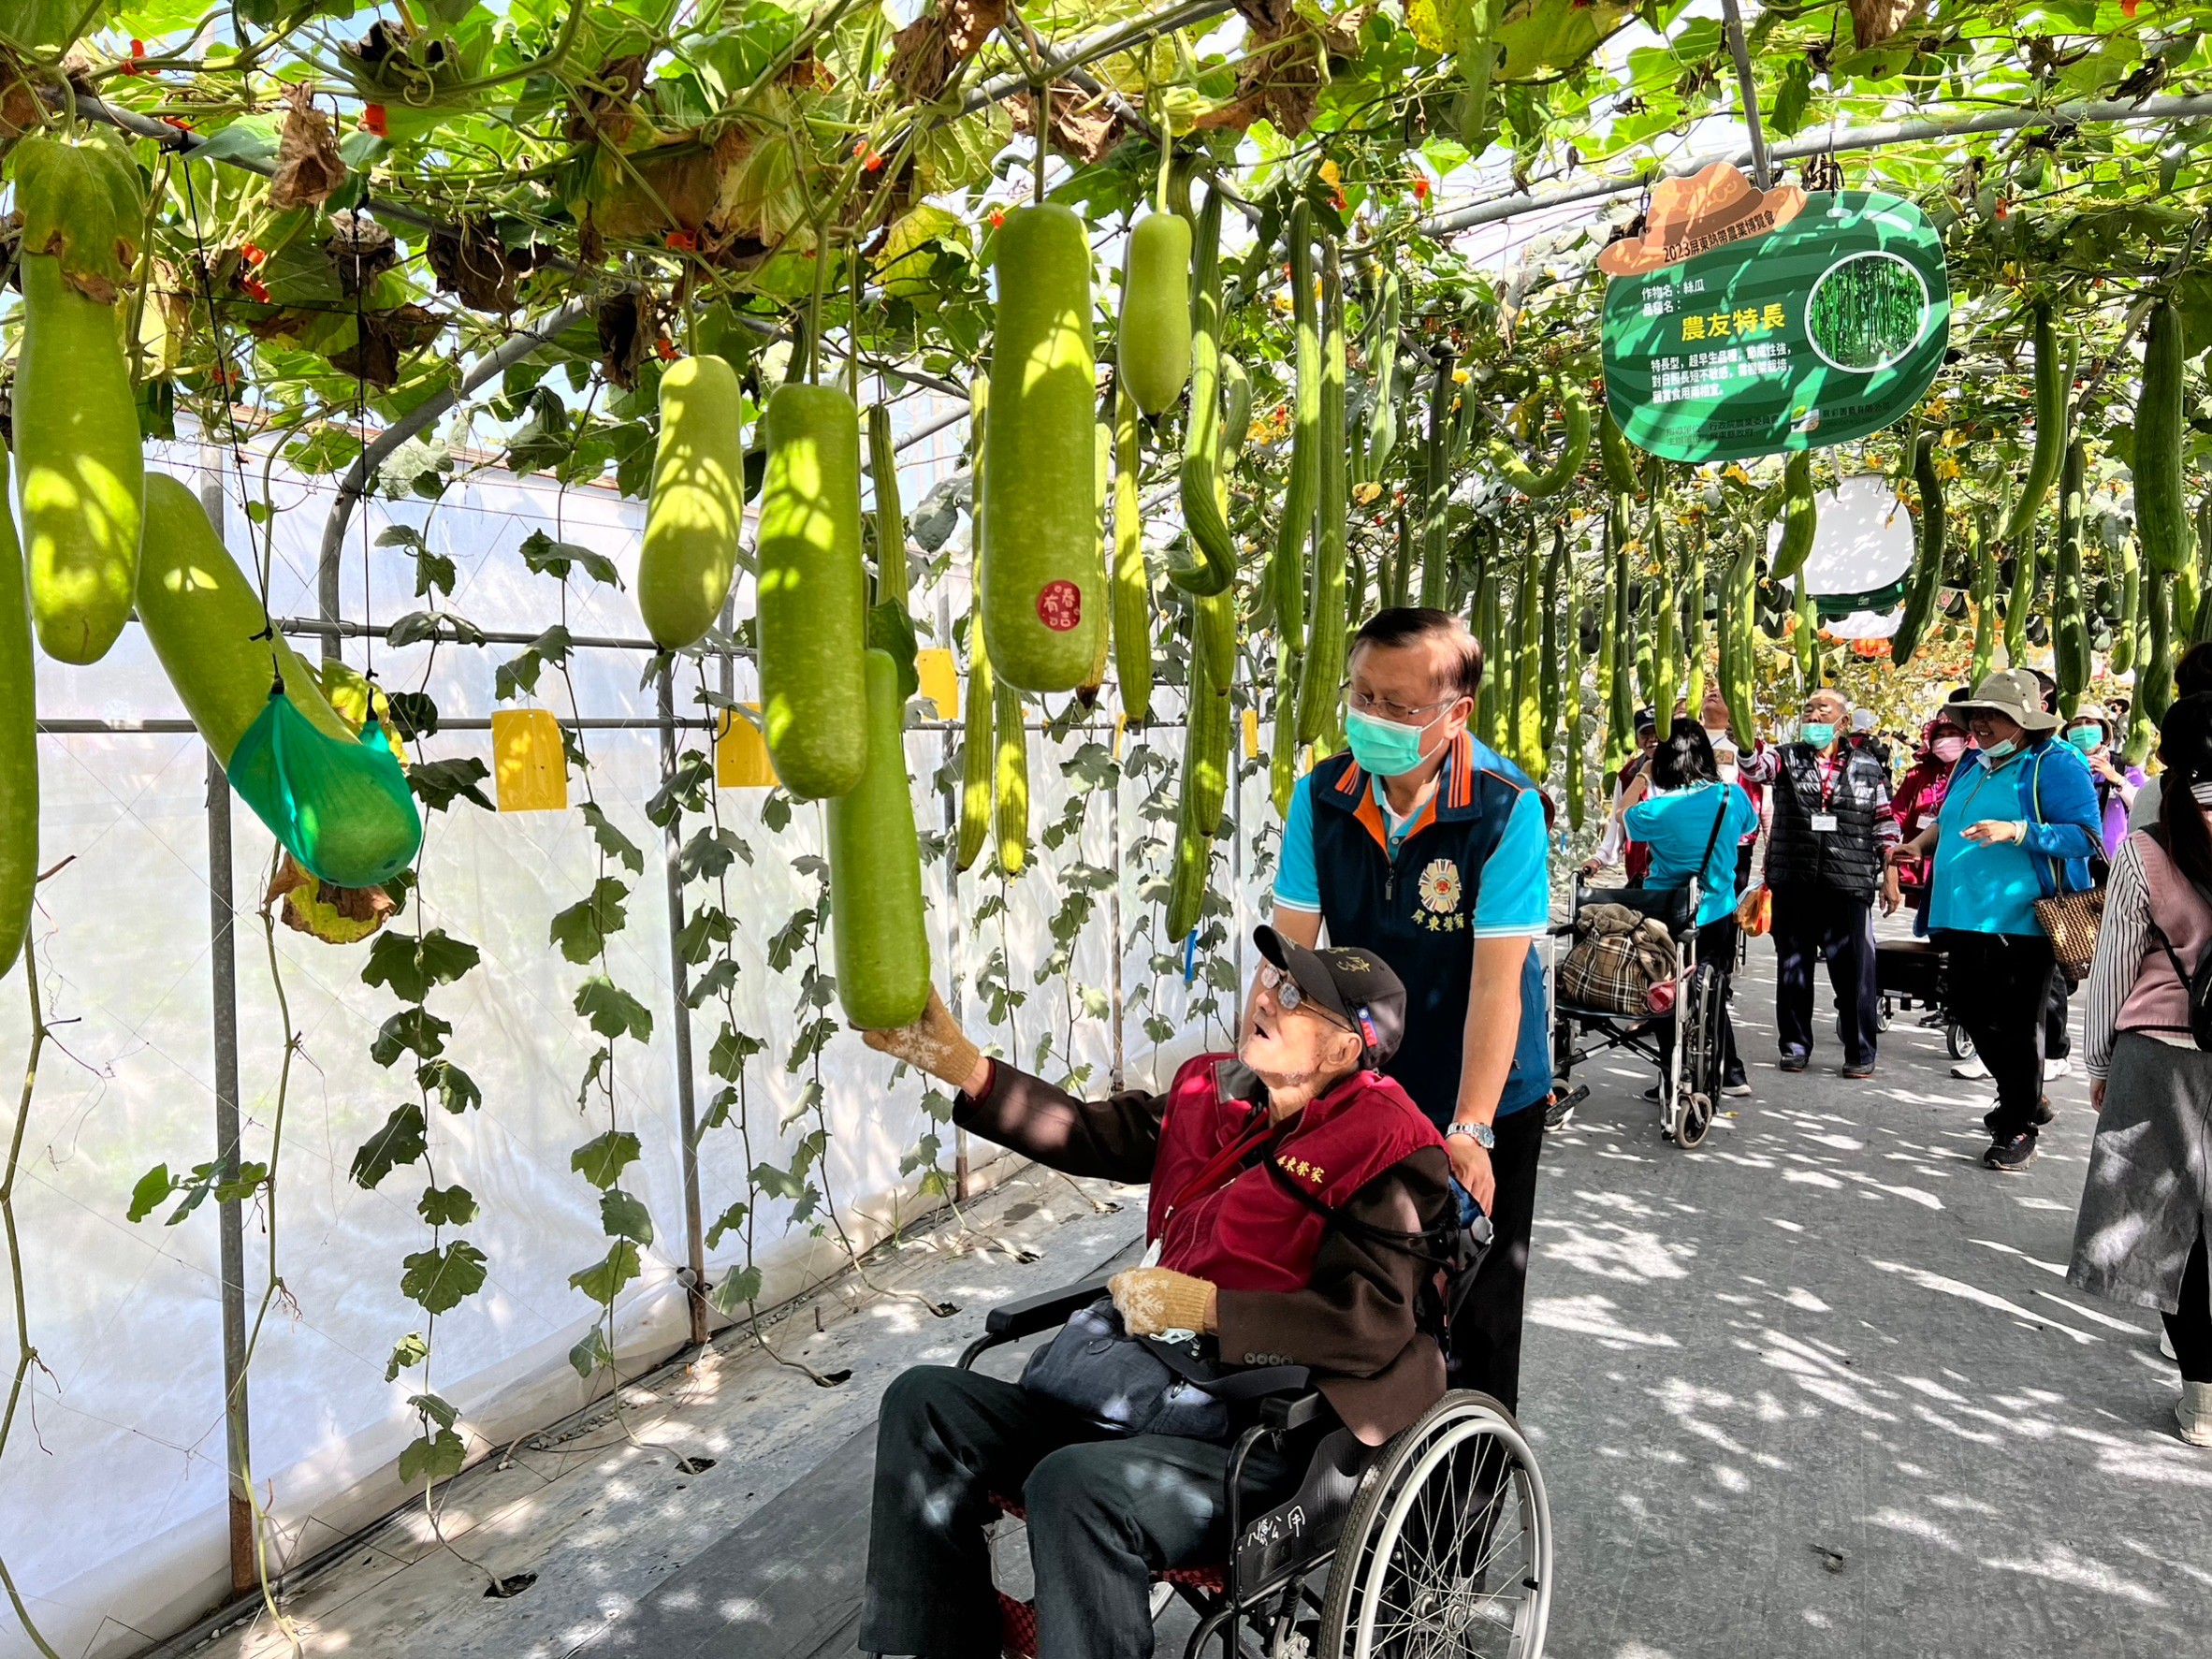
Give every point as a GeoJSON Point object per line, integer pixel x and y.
{"type": "Point", "coordinates": [932, 1044]}
{"type": "Point", "coordinates": [1156, 1299]}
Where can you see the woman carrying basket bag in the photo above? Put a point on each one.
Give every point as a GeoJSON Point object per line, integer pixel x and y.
{"type": "Point", "coordinates": [2018, 827]}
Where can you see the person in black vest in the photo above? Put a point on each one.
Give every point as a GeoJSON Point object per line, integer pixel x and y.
{"type": "Point", "coordinates": [1428, 849]}
{"type": "Point", "coordinates": [1826, 862]}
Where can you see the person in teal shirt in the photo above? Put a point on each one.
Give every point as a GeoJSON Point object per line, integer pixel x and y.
{"type": "Point", "coordinates": [2019, 823]}
{"type": "Point", "coordinates": [1692, 822]}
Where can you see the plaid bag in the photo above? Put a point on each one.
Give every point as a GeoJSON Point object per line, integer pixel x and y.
{"type": "Point", "coordinates": [2069, 920]}
{"type": "Point", "coordinates": [1619, 957]}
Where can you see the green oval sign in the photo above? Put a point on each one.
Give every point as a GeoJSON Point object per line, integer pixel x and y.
{"type": "Point", "coordinates": [1822, 330]}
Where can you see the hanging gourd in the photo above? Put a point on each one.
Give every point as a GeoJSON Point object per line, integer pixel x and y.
{"type": "Point", "coordinates": [875, 859]}
{"type": "Point", "coordinates": [1984, 555]}
{"type": "Point", "coordinates": [1301, 489]}
{"type": "Point", "coordinates": [1528, 669]}
{"type": "Point", "coordinates": [1572, 451]}
{"type": "Point", "coordinates": [2052, 378]}
{"type": "Point", "coordinates": [1041, 572]}
{"type": "Point", "coordinates": [340, 805]}
{"type": "Point", "coordinates": [19, 742]}
{"type": "Point", "coordinates": [697, 506]}
{"type": "Point", "coordinates": [1199, 483]}
{"type": "Point", "coordinates": [1010, 776]}
{"type": "Point", "coordinates": [1373, 454]}
{"type": "Point", "coordinates": [80, 471]}
{"type": "Point", "coordinates": [1801, 517]}
{"type": "Point", "coordinates": [1927, 579]}
{"type": "Point", "coordinates": [1667, 616]}
{"type": "Point", "coordinates": [2070, 622]}
{"type": "Point", "coordinates": [1153, 346]}
{"type": "Point", "coordinates": [1321, 676]}
{"type": "Point", "coordinates": [1568, 684]}
{"type": "Point", "coordinates": [813, 593]}
{"type": "Point", "coordinates": [1437, 483]}
{"type": "Point", "coordinates": [1132, 585]}
{"type": "Point", "coordinates": [1740, 673]}
{"type": "Point", "coordinates": [1694, 623]}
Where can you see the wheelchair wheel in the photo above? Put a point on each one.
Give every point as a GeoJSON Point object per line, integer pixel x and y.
{"type": "Point", "coordinates": [1447, 1546]}
{"type": "Point", "coordinates": [1698, 1028]}
{"type": "Point", "coordinates": [1961, 1045]}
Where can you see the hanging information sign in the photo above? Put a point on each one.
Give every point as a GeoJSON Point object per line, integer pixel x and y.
{"type": "Point", "coordinates": [1745, 323]}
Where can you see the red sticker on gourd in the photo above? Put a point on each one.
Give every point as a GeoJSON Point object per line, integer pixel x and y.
{"type": "Point", "coordinates": [1059, 606]}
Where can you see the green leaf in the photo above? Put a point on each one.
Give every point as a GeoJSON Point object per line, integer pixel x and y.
{"type": "Point", "coordinates": [439, 783]}
{"type": "Point", "coordinates": [732, 1049]}
{"type": "Point", "coordinates": [549, 557]}
{"type": "Point", "coordinates": [151, 1192]}
{"type": "Point", "coordinates": [623, 1215]}
{"type": "Point", "coordinates": [432, 1459]}
{"type": "Point", "coordinates": [709, 853]}
{"type": "Point", "coordinates": [602, 1160]}
{"type": "Point", "coordinates": [439, 1280]}
{"type": "Point", "coordinates": [404, 1139]}
{"type": "Point", "coordinates": [456, 1091]}
{"type": "Point", "coordinates": [591, 1353]}
{"type": "Point", "coordinates": [448, 1206]}
{"type": "Point", "coordinates": [581, 930]}
{"type": "Point", "coordinates": [891, 629]}
{"type": "Point", "coordinates": [612, 841]}
{"type": "Point", "coordinates": [407, 1353]}
{"type": "Point", "coordinates": [412, 967]}
{"type": "Point", "coordinates": [728, 1221]}
{"type": "Point", "coordinates": [413, 1029]}
{"type": "Point", "coordinates": [604, 1281]}
{"type": "Point", "coordinates": [439, 1410]}
{"type": "Point", "coordinates": [737, 1292]}
{"type": "Point", "coordinates": [612, 1011]}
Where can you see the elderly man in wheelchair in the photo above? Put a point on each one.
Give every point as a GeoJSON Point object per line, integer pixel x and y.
{"type": "Point", "coordinates": [1257, 1416]}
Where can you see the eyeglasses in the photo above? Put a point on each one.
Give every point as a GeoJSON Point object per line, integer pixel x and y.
{"type": "Point", "coordinates": [1289, 996]}
{"type": "Point", "coordinates": [1367, 703]}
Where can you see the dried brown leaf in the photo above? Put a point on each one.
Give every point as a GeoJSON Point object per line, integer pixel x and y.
{"type": "Point", "coordinates": [470, 260]}
{"type": "Point", "coordinates": [926, 53]}
{"type": "Point", "coordinates": [1084, 126]}
{"type": "Point", "coordinates": [1872, 21]}
{"type": "Point", "coordinates": [308, 168]}
{"type": "Point", "coordinates": [628, 324]}
{"type": "Point", "coordinates": [602, 108]}
{"type": "Point", "coordinates": [387, 337]}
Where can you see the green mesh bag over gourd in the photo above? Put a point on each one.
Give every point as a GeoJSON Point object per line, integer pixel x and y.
{"type": "Point", "coordinates": [342, 810]}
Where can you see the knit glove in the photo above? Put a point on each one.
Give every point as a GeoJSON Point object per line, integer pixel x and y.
{"type": "Point", "coordinates": [932, 1044]}
{"type": "Point", "coordinates": [1156, 1299]}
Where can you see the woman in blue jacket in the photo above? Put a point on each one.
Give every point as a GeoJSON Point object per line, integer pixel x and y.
{"type": "Point", "coordinates": [2019, 823]}
{"type": "Point", "coordinates": [1692, 822]}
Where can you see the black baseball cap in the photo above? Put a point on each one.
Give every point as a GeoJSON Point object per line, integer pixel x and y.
{"type": "Point", "coordinates": [1354, 987]}
{"type": "Point", "coordinates": [1646, 720]}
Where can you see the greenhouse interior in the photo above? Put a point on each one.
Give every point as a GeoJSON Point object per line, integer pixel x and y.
{"type": "Point", "coordinates": [734, 732]}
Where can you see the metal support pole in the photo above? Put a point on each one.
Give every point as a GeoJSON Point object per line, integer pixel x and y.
{"type": "Point", "coordinates": [229, 1212]}
{"type": "Point", "coordinates": [686, 1112]}
{"type": "Point", "coordinates": [1732, 21]}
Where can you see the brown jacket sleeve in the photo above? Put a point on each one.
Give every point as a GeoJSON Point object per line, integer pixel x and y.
{"type": "Point", "coordinates": [1355, 1317]}
{"type": "Point", "coordinates": [1116, 1139]}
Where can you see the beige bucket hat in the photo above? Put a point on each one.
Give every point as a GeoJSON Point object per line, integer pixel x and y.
{"type": "Point", "coordinates": [2014, 693]}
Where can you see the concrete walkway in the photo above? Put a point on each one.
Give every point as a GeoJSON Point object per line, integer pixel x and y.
{"type": "Point", "coordinates": [1816, 1389]}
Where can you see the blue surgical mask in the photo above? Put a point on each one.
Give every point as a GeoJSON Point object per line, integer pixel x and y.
{"type": "Point", "coordinates": [1383, 748]}
{"type": "Point", "coordinates": [1998, 751]}
{"type": "Point", "coordinates": [2087, 738]}
{"type": "Point", "coordinates": [1820, 733]}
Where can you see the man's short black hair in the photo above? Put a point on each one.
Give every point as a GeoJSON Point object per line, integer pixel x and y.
{"type": "Point", "coordinates": [2050, 690]}
{"type": "Point", "coordinates": [1685, 758]}
{"type": "Point", "coordinates": [1410, 624]}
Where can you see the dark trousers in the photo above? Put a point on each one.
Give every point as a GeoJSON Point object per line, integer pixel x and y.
{"type": "Point", "coordinates": [1103, 1516]}
{"type": "Point", "coordinates": [2058, 1041]}
{"type": "Point", "coordinates": [1716, 944]}
{"type": "Point", "coordinates": [1818, 920]}
{"type": "Point", "coordinates": [1486, 1335]}
{"type": "Point", "coordinates": [2189, 1326]}
{"type": "Point", "coordinates": [1999, 987]}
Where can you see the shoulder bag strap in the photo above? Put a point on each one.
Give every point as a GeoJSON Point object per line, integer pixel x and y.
{"type": "Point", "coordinates": [1718, 818]}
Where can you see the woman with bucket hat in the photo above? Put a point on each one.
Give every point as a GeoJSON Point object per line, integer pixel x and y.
{"type": "Point", "coordinates": [2018, 824]}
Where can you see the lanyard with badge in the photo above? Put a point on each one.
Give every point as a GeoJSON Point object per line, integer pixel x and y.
{"type": "Point", "coordinates": [1824, 821]}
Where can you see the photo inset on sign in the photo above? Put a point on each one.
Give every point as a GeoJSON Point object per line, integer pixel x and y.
{"type": "Point", "coordinates": [1865, 311]}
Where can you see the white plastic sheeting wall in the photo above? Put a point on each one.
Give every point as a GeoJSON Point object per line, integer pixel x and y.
{"type": "Point", "coordinates": [113, 1494]}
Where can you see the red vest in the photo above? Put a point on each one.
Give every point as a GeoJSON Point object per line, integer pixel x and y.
{"type": "Point", "coordinates": [1245, 1231]}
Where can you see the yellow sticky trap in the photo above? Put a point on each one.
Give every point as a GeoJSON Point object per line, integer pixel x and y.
{"type": "Point", "coordinates": [528, 762]}
{"type": "Point", "coordinates": [741, 754]}
{"type": "Point", "coordinates": [940, 681]}
{"type": "Point", "coordinates": [1251, 734]}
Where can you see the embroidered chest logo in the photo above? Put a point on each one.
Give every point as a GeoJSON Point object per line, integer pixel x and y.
{"type": "Point", "coordinates": [1299, 1167]}
{"type": "Point", "coordinates": [1439, 893]}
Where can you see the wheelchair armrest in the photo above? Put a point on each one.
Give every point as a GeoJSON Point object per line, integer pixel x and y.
{"type": "Point", "coordinates": [1010, 1322]}
{"type": "Point", "coordinates": [1286, 1413]}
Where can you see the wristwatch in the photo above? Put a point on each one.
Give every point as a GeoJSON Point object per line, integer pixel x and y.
{"type": "Point", "coordinates": [1480, 1133]}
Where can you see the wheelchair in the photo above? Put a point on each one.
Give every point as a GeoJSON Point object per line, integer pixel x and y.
{"type": "Point", "coordinates": [1436, 1545]}
{"type": "Point", "coordinates": [1691, 1076]}
{"type": "Point", "coordinates": [1914, 973]}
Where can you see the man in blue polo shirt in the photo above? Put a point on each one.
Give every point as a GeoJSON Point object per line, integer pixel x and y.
{"type": "Point", "coordinates": [1424, 847]}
